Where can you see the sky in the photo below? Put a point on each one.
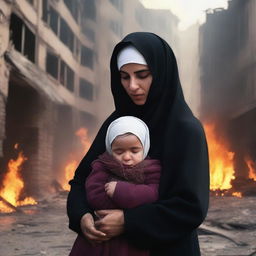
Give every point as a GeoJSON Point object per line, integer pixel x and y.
{"type": "Point", "coordinates": [188, 11]}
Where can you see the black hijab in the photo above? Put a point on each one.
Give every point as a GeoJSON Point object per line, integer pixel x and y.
{"type": "Point", "coordinates": [177, 137]}
{"type": "Point", "coordinates": [177, 140]}
{"type": "Point", "coordinates": [165, 101]}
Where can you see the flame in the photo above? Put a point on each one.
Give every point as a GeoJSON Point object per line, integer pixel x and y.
{"type": "Point", "coordinates": [221, 161]}
{"type": "Point", "coordinates": [13, 184]}
{"type": "Point", "coordinates": [71, 166]}
{"type": "Point", "coordinates": [82, 133]}
{"type": "Point", "coordinates": [252, 168]}
{"type": "Point", "coordinates": [69, 173]}
{"type": "Point", "coordinates": [4, 208]}
{"type": "Point", "coordinates": [237, 194]}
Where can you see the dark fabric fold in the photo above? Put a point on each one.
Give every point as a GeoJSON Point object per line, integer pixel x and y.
{"type": "Point", "coordinates": [167, 226]}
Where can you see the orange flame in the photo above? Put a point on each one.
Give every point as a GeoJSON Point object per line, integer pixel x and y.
{"type": "Point", "coordinates": [252, 168]}
{"type": "Point", "coordinates": [82, 133]}
{"type": "Point", "coordinates": [221, 161]}
{"type": "Point", "coordinates": [71, 166]}
{"type": "Point", "coordinates": [69, 173]}
{"type": "Point", "coordinates": [237, 194]}
{"type": "Point", "coordinates": [13, 184]}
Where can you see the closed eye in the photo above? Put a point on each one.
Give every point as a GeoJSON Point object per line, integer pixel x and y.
{"type": "Point", "coordinates": [143, 74]}
{"type": "Point", "coordinates": [118, 151]}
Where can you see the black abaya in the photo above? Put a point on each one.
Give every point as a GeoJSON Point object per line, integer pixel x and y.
{"type": "Point", "coordinates": [167, 227]}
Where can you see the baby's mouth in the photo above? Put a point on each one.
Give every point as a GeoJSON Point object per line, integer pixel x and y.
{"type": "Point", "coordinates": [127, 165]}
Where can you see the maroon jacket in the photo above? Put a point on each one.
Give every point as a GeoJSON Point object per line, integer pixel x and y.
{"type": "Point", "coordinates": [135, 186]}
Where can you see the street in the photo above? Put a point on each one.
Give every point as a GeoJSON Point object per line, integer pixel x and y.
{"type": "Point", "coordinates": [229, 230]}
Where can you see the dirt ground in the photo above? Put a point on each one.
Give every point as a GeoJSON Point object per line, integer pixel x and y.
{"type": "Point", "coordinates": [229, 230]}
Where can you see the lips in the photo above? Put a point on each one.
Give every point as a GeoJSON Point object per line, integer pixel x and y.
{"type": "Point", "coordinates": [127, 165]}
{"type": "Point", "coordinates": [137, 95]}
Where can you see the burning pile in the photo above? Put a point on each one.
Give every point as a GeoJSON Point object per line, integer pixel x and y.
{"type": "Point", "coordinates": [13, 185]}
{"type": "Point", "coordinates": [221, 161]}
{"type": "Point", "coordinates": [222, 169]}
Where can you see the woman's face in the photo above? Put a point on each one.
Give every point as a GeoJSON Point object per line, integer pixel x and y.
{"type": "Point", "coordinates": [136, 80]}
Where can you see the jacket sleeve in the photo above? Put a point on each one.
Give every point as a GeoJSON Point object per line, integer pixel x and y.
{"type": "Point", "coordinates": [77, 204]}
{"type": "Point", "coordinates": [129, 195]}
{"type": "Point", "coordinates": [95, 190]}
{"type": "Point", "coordinates": [183, 195]}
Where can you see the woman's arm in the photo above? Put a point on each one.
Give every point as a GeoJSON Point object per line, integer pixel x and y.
{"type": "Point", "coordinates": [77, 205]}
{"type": "Point", "coordinates": [183, 192]}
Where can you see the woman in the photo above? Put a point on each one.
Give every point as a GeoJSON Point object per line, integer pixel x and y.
{"type": "Point", "coordinates": [151, 91]}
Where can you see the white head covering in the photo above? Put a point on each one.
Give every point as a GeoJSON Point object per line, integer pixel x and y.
{"type": "Point", "coordinates": [128, 124]}
{"type": "Point", "coordinates": [129, 54]}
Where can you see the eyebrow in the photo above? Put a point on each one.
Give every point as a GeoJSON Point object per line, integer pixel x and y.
{"type": "Point", "coordinates": [136, 72]}
{"type": "Point", "coordinates": [120, 148]}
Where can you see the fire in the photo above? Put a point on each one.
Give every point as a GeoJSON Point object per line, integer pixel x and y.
{"type": "Point", "coordinates": [252, 168]}
{"type": "Point", "coordinates": [82, 133]}
{"type": "Point", "coordinates": [237, 194]}
{"type": "Point", "coordinates": [221, 161]}
{"type": "Point", "coordinates": [13, 184]}
{"type": "Point", "coordinates": [69, 173]}
{"type": "Point", "coordinates": [71, 166]}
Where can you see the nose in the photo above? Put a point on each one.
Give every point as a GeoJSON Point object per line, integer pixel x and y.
{"type": "Point", "coordinates": [126, 156]}
{"type": "Point", "coordinates": [133, 85]}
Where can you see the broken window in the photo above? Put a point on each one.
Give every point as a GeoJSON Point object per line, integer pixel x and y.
{"type": "Point", "coordinates": [52, 63]}
{"type": "Point", "coordinates": [70, 79]}
{"type": "Point", "coordinates": [29, 45]}
{"type": "Point", "coordinates": [86, 57]}
{"type": "Point", "coordinates": [62, 72]}
{"type": "Point", "coordinates": [86, 89]}
{"type": "Point", "coordinates": [89, 33]}
{"type": "Point", "coordinates": [89, 9]}
{"type": "Point", "coordinates": [16, 31]}
{"type": "Point", "coordinates": [66, 34]}
{"type": "Point", "coordinates": [67, 76]}
{"type": "Point", "coordinates": [22, 37]}
{"type": "Point", "coordinates": [73, 8]}
{"type": "Point", "coordinates": [77, 47]}
{"type": "Point", "coordinates": [45, 11]}
{"type": "Point", "coordinates": [54, 20]}
{"type": "Point", "coordinates": [58, 69]}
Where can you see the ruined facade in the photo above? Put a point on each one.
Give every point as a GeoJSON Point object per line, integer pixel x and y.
{"type": "Point", "coordinates": [48, 86]}
{"type": "Point", "coordinates": [228, 78]}
{"type": "Point", "coordinates": [54, 78]}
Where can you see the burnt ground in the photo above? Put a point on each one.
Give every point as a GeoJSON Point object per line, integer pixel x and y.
{"type": "Point", "coordinates": [229, 230]}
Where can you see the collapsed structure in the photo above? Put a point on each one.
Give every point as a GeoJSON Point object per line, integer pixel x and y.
{"type": "Point", "coordinates": [54, 77]}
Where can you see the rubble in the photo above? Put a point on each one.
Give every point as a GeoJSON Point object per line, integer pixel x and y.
{"type": "Point", "coordinates": [42, 229]}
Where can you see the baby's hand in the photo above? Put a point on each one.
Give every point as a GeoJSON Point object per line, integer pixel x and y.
{"type": "Point", "coordinates": [110, 188]}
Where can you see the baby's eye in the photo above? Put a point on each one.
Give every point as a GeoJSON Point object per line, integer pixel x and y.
{"type": "Point", "coordinates": [135, 151]}
{"type": "Point", "coordinates": [118, 152]}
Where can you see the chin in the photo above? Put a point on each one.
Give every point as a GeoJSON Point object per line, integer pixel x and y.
{"type": "Point", "coordinates": [139, 103]}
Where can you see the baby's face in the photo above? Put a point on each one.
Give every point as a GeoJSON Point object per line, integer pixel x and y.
{"type": "Point", "coordinates": [127, 149]}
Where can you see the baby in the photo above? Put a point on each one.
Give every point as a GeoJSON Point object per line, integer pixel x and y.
{"type": "Point", "coordinates": [122, 177]}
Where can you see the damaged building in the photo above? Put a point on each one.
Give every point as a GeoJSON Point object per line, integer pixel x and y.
{"type": "Point", "coordinates": [48, 86]}
{"type": "Point", "coordinates": [54, 79]}
{"type": "Point", "coordinates": [228, 82]}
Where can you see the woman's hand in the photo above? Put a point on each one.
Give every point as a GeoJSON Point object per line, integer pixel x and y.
{"type": "Point", "coordinates": [91, 233]}
{"type": "Point", "coordinates": [110, 188]}
{"type": "Point", "coordinates": [111, 222]}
